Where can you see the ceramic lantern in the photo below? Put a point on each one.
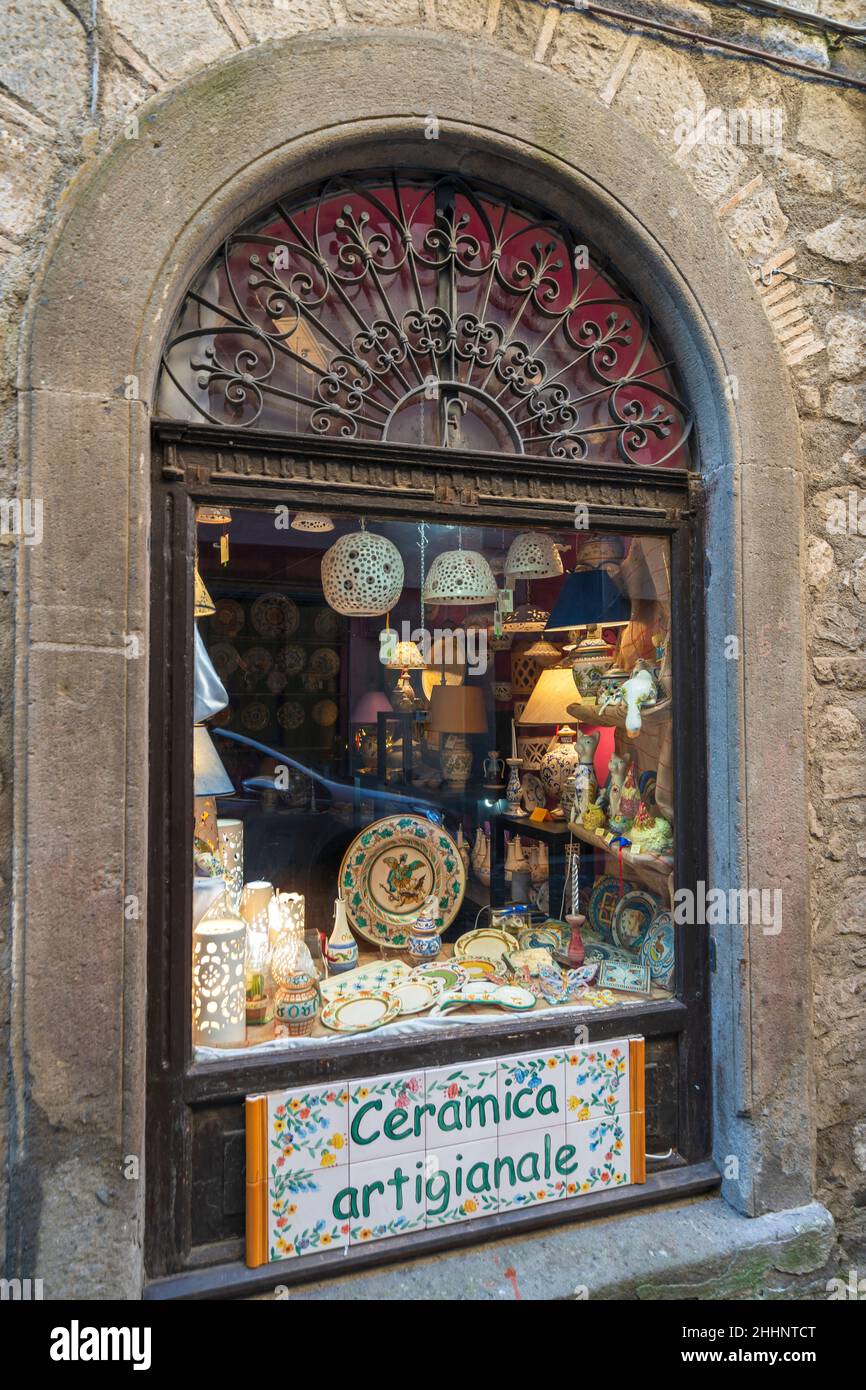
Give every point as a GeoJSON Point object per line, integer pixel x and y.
{"type": "Point", "coordinates": [362, 575]}
{"type": "Point", "coordinates": [218, 998]}
{"type": "Point", "coordinates": [231, 853]}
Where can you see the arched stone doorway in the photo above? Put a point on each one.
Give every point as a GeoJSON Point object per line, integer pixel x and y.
{"type": "Point", "coordinates": [136, 230]}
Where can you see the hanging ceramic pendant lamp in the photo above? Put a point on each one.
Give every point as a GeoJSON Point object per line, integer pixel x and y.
{"type": "Point", "coordinates": [311, 521]}
{"type": "Point", "coordinates": [532, 555]}
{"type": "Point", "coordinates": [362, 575]}
{"type": "Point", "coordinates": [460, 576]}
{"type": "Point", "coordinates": [525, 618]}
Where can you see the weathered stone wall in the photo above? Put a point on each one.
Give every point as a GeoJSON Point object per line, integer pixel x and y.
{"type": "Point", "coordinates": [798, 204]}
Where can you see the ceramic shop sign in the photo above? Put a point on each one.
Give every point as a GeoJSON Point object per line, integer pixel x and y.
{"type": "Point", "coordinates": [344, 1163]}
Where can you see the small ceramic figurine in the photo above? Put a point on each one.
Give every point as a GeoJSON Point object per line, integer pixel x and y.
{"type": "Point", "coordinates": [650, 831]}
{"type": "Point", "coordinates": [585, 780]}
{"type": "Point", "coordinates": [640, 689]}
{"type": "Point", "coordinates": [341, 951]}
{"type": "Point", "coordinates": [424, 942]}
{"type": "Point", "coordinates": [624, 794]}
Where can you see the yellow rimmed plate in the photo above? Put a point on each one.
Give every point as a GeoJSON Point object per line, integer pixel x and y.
{"type": "Point", "coordinates": [361, 1012]}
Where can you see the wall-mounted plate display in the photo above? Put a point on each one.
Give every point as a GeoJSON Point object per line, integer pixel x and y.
{"type": "Point", "coordinates": [658, 949]}
{"type": "Point", "coordinates": [632, 917]}
{"type": "Point", "coordinates": [275, 615]}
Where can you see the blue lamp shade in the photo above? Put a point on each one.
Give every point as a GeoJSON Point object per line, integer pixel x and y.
{"type": "Point", "coordinates": [588, 597]}
{"type": "Point", "coordinates": [209, 776]}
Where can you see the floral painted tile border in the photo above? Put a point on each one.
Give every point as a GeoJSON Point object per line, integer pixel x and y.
{"type": "Point", "coordinates": [345, 1163]}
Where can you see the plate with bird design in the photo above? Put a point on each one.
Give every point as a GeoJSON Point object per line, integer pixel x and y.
{"type": "Point", "coordinates": [388, 872]}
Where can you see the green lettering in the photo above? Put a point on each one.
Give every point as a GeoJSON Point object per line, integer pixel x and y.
{"type": "Point", "coordinates": [515, 1105]}
{"type": "Point", "coordinates": [337, 1207]}
{"type": "Point", "coordinates": [480, 1103]}
{"type": "Point", "coordinates": [499, 1164]}
{"type": "Point", "coordinates": [419, 1111]}
{"type": "Point", "coordinates": [533, 1174]}
{"type": "Point", "coordinates": [395, 1121]}
{"type": "Point", "coordinates": [438, 1191]}
{"type": "Point", "coordinates": [398, 1181]}
{"type": "Point", "coordinates": [368, 1188]}
{"type": "Point", "coordinates": [453, 1107]}
{"type": "Point", "coordinates": [481, 1183]}
{"type": "Point", "coordinates": [563, 1157]}
{"type": "Point", "coordinates": [355, 1129]}
{"type": "Point", "coordinates": [550, 1106]}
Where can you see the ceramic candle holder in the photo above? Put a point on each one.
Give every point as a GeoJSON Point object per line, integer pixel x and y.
{"type": "Point", "coordinates": [231, 852]}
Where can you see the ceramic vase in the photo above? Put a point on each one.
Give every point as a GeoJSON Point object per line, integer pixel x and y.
{"type": "Point", "coordinates": [456, 761]}
{"type": "Point", "coordinates": [296, 1004]}
{"type": "Point", "coordinates": [341, 951]}
{"type": "Point", "coordinates": [493, 768]}
{"type": "Point", "coordinates": [424, 943]}
{"type": "Point", "coordinates": [558, 764]}
{"type": "Point", "coordinates": [512, 791]}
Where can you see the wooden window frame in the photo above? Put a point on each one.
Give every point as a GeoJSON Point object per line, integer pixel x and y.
{"type": "Point", "coordinates": [208, 464]}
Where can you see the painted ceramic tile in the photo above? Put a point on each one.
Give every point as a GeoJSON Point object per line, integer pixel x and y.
{"type": "Point", "coordinates": [531, 1091]}
{"type": "Point", "coordinates": [602, 1153]}
{"type": "Point", "coordinates": [462, 1184]}
{"type": "Point", "coordinates": [386, 1115]}
{"type": "Point", "coordinates": [596, 1080]}
{"type": "Point", "coordinates": [301, 1217]}
{"type": "Point", "coordinates": [529, 1167]}
{"type": "Point", "coordinates": [386, 1197]}
{"type": "Point", "coordinates": [465, 1101]}
{"type": "Point", "coordinates": [309, 1127]}
{"type": "Point", "coordinates": [626, 975]}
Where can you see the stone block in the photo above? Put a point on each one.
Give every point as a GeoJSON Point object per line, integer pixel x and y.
{"type": "Point", "coordinates": [44, 59]}
{"type": "Point", "coordinates": [843, 240]}
{"type": "Point", "coordinates": [584, 50]}
{"type": "Point", "coordinates": [834, 122]}
{"type": "Point", "coordinates": [27, 168]}
{"type": "Point", "coordinates": [173, 38]}
{"type": "Point", "coordinates": [274, 19]}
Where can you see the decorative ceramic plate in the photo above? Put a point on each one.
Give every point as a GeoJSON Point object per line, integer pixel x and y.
{"type": "Point", "coordinates": [487, 943]}
{"type": "Point", "coordinates": [290, 715]}
{"type": "Point", "coordinates": [257, 661]}
{"type": "Point", "coordinates": [529, 937]}
{"type": "Point", "coordinates": [602, 903]}
{"type": "Point", "coordinates": [359, 1013]}
{"type": "Point", "coordinates": [325, 662]}
{"type": "Point", "coordinates": [326, 623]}
{"type": "Point", "coordinates": [254, 716]}
{"type": "Point", "coordinates": [291, 659]}
{"type": "Point", "coordinates": [657, 949]}
{"type": "Point", "coordinates": [391, 868]}
{"type": "Point", "coordinates": [632, 918]}
{"type": "Point", "coordinates": [325, 713]}
{"type": "Point", "coordinates": [479, 969]}
{"type": "Point", "coordinates": [276, 681]}
{"type": "Point", "coordinates": [417, 995]}
{"type": "Point", "coordinates": [275, 615]}
{"type": "Point", "coordinates": [450, 976]}
{"type": "Point", "coordinates": [532, 792]}
{"type": "Point", "coordinates": [225, 658]}
{"type": "Point", "coordinates": [378, 977]}
{"type": "Point", "coordinates": [229, 617]}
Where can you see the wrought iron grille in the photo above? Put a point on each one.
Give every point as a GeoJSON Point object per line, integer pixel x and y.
{"type": "Point", "coordinates": [417, 309]}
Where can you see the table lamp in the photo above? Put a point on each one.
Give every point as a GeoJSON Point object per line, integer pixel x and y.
{"type": "Point", "coordinates": [589, 599]}
{"type": "Point", "coordinates": [457, 710]}
{"type": "Point", "coordinates": [548, 704]}
{"type": "Point", "coordinates": [210, 780]}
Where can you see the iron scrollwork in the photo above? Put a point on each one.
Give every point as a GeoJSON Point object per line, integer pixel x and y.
{"type": "Point", "coordinates": [409, 309]}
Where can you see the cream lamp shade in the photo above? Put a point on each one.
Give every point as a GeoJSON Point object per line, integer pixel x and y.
{"type": "Point", "coordinates": [532, 555]}
{"type": "Point", "coordinates": [459, 709]}
{"type": "Point", "coordinates": [311, 521]}
{"type": "Point", "coordinates": [218, 974]}
{"type": "Point", "coordinates": [526, 618]}
{"type": "Point", "coordinates": [552, 694]}
{"type": "Point", "coordinates": [210, 777]}
{"type": "Point", "coordinates": [407, 657]}
{"type": "Point", "coordinates": [460, 576]}
{"type": "Point", "coordinates": [204, 605]}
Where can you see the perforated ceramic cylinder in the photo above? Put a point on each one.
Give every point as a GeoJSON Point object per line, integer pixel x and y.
{"type": "Point", "coordinates": [362, 575]}
{"type": "Point", "coordinates": [231, 852]}
{"type": "Point", "coordinates": [218, 994]}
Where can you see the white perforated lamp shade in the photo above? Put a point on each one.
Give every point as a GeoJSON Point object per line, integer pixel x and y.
{"type": "Point", "coordinates": [532, 555]}
{"type": "Point", "coordinates": [460, 576]}
{"type": "Point", "coordinates": [362, 575]}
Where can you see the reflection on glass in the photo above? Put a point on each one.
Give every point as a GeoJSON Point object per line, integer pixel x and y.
{"type": "Point", "coordinates": [498, 741]}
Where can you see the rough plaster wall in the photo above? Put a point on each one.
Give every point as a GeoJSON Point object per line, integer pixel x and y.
{"type": "Point", "coordinates": [68, 91]}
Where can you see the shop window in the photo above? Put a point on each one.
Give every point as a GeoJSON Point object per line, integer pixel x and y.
{"type": "Point", "coordinates": [427, 755]}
